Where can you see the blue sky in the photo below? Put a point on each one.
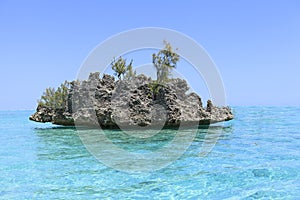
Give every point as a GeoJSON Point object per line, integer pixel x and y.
{"type": "Point", "coordinates": [255, 44]}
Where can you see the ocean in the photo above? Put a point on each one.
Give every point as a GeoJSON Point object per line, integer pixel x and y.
{"type": "Point", "coordinates": [257, 156]}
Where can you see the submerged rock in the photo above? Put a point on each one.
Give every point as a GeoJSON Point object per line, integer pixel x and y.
{"type": "Point", "coordinates": [137, 102]}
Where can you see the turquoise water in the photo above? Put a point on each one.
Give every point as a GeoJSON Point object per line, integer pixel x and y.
{"type": "Point", "coordinates": [256, 157]}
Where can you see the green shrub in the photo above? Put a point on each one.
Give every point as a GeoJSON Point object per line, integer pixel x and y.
{"type": "Point", "coordinates": [55, 99]}
{"type": "Point", "coordinates": [120, 68]}
{"type": "Point", "coordinates": [164, 61]}
{"type": "Point", "coordinates": [129, 74]}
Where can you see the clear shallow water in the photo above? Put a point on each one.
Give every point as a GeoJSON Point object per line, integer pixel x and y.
{"type": "Point", "coordinates": [257, 157]}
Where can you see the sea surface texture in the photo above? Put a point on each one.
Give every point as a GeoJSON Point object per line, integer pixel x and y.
{"type": "Point", "coordinates": [257, 156]}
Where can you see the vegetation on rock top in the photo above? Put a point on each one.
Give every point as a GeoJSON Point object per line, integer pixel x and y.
{"type": "Point", "coordinates": [55, 98]}
{"type": "Point", "coordinates": [164, 61]}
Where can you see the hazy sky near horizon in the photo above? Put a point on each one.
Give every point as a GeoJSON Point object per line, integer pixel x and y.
{"type": "Point", "coordinates": [255, 44]}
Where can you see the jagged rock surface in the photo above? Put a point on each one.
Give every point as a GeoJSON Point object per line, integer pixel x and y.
{"type": "Point", "coordinates": [131, 103]}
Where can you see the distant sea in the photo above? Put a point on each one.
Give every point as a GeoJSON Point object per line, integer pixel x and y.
{"type": "Point", "coordinates": [256, 157]}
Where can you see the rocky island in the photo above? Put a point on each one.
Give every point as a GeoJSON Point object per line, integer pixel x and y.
{"type": "Point", "coordinates": [131, 101]}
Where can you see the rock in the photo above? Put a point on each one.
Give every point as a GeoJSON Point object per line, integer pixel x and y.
{"type": "Point", "coordinates": [61, 117]}
{"type": "Point", "coordinates": [43, 114]}
{"type": "Point", "coordinates": [209, 106]}
{"type": "Point", "coordinates": [131, 103]}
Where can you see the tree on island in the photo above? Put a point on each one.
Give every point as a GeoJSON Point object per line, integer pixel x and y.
{"type": "Point", "coordinates": [164, 61]}
{"type": "Point", "coordinates": [55, 98]}
{"type": "Point", "coordinates": [129, 72]}
{"type": "Point", "coordinates": [120, 68]}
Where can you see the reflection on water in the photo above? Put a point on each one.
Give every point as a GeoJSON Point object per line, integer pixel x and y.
{"type": "Point", "coordinates": [57, 143]}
